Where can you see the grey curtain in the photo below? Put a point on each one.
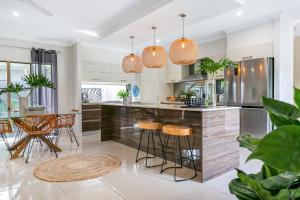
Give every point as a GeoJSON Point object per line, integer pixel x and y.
{"type": "Point", "coordinates": [45, 62]}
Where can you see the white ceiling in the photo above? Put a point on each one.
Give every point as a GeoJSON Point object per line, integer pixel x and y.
{"type": "Point", "coordinates": [54, 21]}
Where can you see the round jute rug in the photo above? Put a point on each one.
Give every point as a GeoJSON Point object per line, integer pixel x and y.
{"type": "Point", "coordinates": [76, 167]}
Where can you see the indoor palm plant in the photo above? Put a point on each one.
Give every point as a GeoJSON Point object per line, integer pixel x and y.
{"type": "Point", "coordinates": [123, 94]}
{"type": "Point", "coordinates": [32, 81]}
{"type": "Point", "coordinates": [210, 66]}
{"type": "Point", "coordinates": [279, 178]}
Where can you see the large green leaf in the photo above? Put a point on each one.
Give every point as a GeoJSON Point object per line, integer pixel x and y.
{"type": "Point", "coordinates": [281, 181]}
{"type": "Point", "coordinates": [254, 184]}
{"type": "Point", "coordinates": [38, 81]}
{"type": "Point", "coordinates": [13, 88]}
{"type": "Point", "coordinates": [284, 195]}
{"type": "Point", "coordinates": [247, 141]}
{"type": "Point", "coordinates": [268, 171]}
{"type": "Point", "coordinates": [280, 149]}
{"type": "Point", "coordinates": [297, 96]}
{"type": "Point", "coordinates": [280, 108]}
{"type": "Point", "coordinates": [279, 120]}
{"type": "Point", "coordinates": [242, 191]}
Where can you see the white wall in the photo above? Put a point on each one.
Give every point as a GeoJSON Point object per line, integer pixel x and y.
{"type": "Point", "coordinates": [256, 42]}
{"type": "Point", "coordinates": [215, 49]}
{"type": "Point", "coordinates": [284, 58]}
{"type": "Point", "coordinates": [18, 50]}
{"type": "Point", "coordinates": [297, 62]}
{"type": "Point", "coordinates": [273, 39]}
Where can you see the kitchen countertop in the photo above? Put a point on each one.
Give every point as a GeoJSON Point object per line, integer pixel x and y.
{"type": "Point", "coordinates": [166, 106]}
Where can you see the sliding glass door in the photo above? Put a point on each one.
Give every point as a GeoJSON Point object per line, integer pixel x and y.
{"type": "Point", "coordinates": [3, 83]}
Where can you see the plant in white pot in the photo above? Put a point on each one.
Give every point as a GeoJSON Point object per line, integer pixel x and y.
{"type": "Point", "coordinates": [210, 66]}
{"type": "Point", "coordinates": [32, 82]}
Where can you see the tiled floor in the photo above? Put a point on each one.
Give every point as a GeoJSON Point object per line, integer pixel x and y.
{"type": "Point", "coordinates": [131, 181]}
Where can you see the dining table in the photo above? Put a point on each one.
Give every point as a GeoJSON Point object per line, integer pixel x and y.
{"type": "Point", "coordinates": [17, 118]}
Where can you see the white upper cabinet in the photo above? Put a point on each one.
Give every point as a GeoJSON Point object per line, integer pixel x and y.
{"type": "Point", "coordinates": [175, 73]}
{"type": "Point", "coordinates": [93, 71]}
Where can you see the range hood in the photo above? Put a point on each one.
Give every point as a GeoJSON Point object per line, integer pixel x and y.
{"type": "Point", "coordinates": [193, 75]}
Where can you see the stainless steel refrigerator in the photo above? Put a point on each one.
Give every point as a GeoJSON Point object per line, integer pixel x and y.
{"type": "Point", "coordinates": [244, 87]}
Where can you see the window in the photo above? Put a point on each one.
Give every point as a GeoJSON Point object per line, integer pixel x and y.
{"type": "Point", "coordinates": [101, 92]}
{"type": "Point", "coordinates": [11, 72]}
{"type": "Point", "coordinates": [17, 71]}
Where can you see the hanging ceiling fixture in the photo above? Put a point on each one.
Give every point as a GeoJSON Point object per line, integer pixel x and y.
{"type": "Point", "coordinates": [184, 51]}
{"type": "Point", "coordinates": [154, 56]}
{"type": "Point", "coordinates": [132, 63]}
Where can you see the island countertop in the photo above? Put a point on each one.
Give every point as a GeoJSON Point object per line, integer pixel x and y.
{"type": "Point", "coordinates": [215, 130]}
{"type": "Point", "coordinates": [166, 106]}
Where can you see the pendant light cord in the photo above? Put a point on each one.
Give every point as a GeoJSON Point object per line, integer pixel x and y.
{"type": "Point", "coordinates": [154, 35]}
{"type": "Point", "coordinates": [182, 15]}
{"type": "Point", "coordinates": [131, 37]}
{"type": "Point", "coordinates": [183, 27]}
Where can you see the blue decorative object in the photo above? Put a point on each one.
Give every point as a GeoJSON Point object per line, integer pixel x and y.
{"type": "Point", "coordinates": [135, 91]}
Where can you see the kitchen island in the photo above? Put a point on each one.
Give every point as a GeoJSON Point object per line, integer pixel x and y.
{"type": "Point", "coordinates": [215, 130]}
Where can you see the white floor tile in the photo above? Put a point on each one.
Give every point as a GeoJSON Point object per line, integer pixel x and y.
{"type": "Point", "coordinates": [132, 181]}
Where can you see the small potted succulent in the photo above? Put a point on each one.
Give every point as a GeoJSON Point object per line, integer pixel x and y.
{"type": "Point", "coordinates": [123, 94]}
{"type": "Point", "coordinates": [32, 82]}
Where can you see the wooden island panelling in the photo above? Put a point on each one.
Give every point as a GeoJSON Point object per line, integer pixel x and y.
{"type": "Point", "coordinates": [214, 138]}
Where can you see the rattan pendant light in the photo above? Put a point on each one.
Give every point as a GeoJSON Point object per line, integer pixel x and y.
{"type": "Point", "coordinates": [184, 51]}
{"type": "Point", "coordinates": [132, 63]}
{"type": "Point", "coordinates": [154, 56]}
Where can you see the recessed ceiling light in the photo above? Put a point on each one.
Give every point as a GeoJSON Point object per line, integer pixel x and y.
{"type": "Point", "coordinates": [15, 13]}
{"type": "Point", "coordinates": [239, 13]}
{"type": "Point", "coordinates": [158, 41]}
{"type": "Point", "coordinates": [87, 32]}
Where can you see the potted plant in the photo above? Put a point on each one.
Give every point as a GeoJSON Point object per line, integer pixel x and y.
{"type": "Point", "coordinates": [123, 94]}
{"type": "Point", "coordinates": [209, 66]}
{"type": "Point", "coordinates": [279, 177]}
{"type": "Point", "coordinates": [32, 82]}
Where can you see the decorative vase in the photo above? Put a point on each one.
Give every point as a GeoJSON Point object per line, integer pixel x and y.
{"type": "Point", "coordinates": [214, 99]}
{"type": "Point", "coordinates": [124, 101]}
{"type": "Point", "coordinates": [23, 104]}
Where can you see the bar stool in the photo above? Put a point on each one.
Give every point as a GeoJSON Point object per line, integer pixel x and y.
{"type": "Point", "coordinates": [178, 132]}
{"type": "Point", "coordinates": [151, 128]}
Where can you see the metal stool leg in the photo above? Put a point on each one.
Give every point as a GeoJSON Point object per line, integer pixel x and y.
{"type": "Point", "coordinates": [73, 133]}
{"type": "Point", "coordinates": [139, 147]}
{"type": "Point", "coordinates": [192, 157]}
{"type": "Point", "coordinates": [165, 150]}
{"type": "Point", "coordinates": [153, 143]}
{"type": "Point", "coordinates": [70, 135]}
{"type": "Point", "coordinates": [162, 148]}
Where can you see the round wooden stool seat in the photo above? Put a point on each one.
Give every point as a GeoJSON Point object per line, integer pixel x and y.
{"type": "Point", "coordinates": [177, 130]}
{"type": "Point", "coordinates": [149, 125]}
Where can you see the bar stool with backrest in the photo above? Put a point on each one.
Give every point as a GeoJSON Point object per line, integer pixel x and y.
{"type": "Point", "coordinates": [5, 128]}
{"type": "Point", "coordinates": [151, 128]}
{"type": "Point", "coordinates": [178, 132]}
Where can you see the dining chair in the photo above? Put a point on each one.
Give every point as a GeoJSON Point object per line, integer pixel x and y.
{"type": "Point", "coordinates": [19, 132]}
{"type": "Point", "coordinates": [5, 128]}
{"type": "Point", "coordinates": [37, 127]}
{"type": "Point", "coordinates": [65, 123]}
